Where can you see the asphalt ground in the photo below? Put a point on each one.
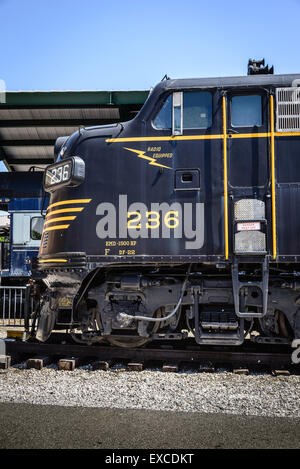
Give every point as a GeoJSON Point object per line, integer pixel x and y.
{"type": "Point", "coordinates": [54, 427]}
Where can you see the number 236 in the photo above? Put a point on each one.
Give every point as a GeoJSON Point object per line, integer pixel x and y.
{"type": "Point", "coordinates": [170, 219]}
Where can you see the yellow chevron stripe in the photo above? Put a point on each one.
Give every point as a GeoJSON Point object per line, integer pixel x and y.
{"type": "Point", "coordinates": [56, 227]}
{"type": "Point", "coordinates": [65, 202]}
{"type": "Point", "coordinates": [52, 260]}
{"type": "Point", "coordinates": [64, 210]}
{"type": "Point", "coordinates": [59, 219]}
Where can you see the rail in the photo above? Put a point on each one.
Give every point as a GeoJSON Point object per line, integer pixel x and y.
{"type": "Point", "coordinates": [251, 356]}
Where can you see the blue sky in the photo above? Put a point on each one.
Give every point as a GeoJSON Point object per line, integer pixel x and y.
{"type": "Point", "coordinates": [131, 44]}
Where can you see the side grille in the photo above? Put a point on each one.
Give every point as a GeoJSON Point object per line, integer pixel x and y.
{"type": "Point", "coordinates": [288, 109]}
{"type": "Point", "coordinates": [249, 227]}
{"type": "Point", "coordinates": [249, 209]}
{"type": "Point", "coordinates": [250, 241]}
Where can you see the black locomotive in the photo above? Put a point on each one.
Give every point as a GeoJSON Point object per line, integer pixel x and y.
{"type": "Point", "coordinates": [184, 220]}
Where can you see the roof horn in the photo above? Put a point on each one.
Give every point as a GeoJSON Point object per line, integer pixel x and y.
{"type": "Point", "coordinates": [257, 67]}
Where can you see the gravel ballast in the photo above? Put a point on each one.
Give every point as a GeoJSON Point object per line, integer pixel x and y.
{"type": "Point", "coordinates": [258, 394]}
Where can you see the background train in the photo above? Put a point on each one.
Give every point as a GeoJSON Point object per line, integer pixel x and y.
{"type": "Point", "coordinates": [181, 221]}
{"type": "Point", "coordinates": [21, 226]}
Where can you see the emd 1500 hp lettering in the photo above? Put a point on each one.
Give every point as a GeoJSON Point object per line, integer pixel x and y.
{"type": "Point", "coordinates": [181, 221]}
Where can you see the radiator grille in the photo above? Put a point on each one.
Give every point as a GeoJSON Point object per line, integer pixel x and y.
{"type": "Point", "coordinates": [288, 109]}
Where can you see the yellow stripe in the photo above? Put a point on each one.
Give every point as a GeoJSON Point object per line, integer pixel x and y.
{"type": "Point", "coordinates": [265, 134]}
{"type": "Point", "coordinates": [186, 137]}
{"type": "Point", "coordinates": [57, 227]}
{"type": "Point", "coordinates": [52, 260]}
{"type": "Point", "coordinates": [65, 202]}
{"type": "Point", "coordinates": [60, 219]}
{"type": "Point", "coordinates": [273, 175]}
{"type": "Point", "coordinates": [287, 134]}
{"type": "Point", "coordinates": [202, 137]}
{"type": "Point", "coordinates": [225, 177]}
{"type": "Point", "coordinates": [261, 135]}
{"type": "Point", "coordinates": [64, 210]}
{"type": "Point", "coordinates": [156, 139]}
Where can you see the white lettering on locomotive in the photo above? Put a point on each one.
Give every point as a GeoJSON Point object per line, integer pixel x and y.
{"type": "Point", "coordinates": [160, 220]}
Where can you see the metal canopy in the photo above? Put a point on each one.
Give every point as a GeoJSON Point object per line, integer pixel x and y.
{"type": "Point", "coordinates": [31, 121]}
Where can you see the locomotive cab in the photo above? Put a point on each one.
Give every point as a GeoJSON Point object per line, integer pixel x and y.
{"type": "Point", "coordinates": [178, 223]}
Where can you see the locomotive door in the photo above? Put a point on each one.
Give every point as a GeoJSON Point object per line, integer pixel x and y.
{"type": "Point", "coordinates": [248, 183]}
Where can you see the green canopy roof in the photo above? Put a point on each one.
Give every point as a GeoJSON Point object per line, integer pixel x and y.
{"type": "Point", "coordinates": [31, 121]}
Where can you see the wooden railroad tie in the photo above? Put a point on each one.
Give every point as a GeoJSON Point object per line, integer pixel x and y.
{"type": "Point", "coordinates": [39, 362]}
{"type": "Point", "coordinates": [69, 363]}
{"type": "Point", "coordinates": [134, 366]}
{"type": "Point", "coordinates": [170, 367]}
{"type": "Point", "coordinates": [241, 371]}
{"type": "Point", "coordinates": [280, 373]}
{"type": "Point", "coordinates": [103, 365]}
{"type": "Point", "coordinates": [5, 362]}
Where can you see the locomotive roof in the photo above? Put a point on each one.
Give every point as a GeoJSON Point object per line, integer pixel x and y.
{"type": "Point", "coordinates": [228, 82]}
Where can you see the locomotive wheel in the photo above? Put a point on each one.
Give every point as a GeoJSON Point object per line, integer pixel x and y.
{"type": "Point", "coordinates": [132, 342]}
{"type": "Point", "coordinates": [135, 341]}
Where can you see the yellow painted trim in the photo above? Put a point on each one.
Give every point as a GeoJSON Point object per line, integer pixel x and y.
{"type": "Point", "coordinates": [273, 176]}
{"type": "Point", "coordinates": [225, 177]}
{"type": "Point", "coordinates": [265, 134]}
{"type": "Point", "coordinates": [287, 134]}
{"type": "Point", "coordinates": [52, 260]}
{"type": "Point", "coordinates": [65, 210]}
{"type": "Point", "coordinates": [57, 227]}
{"type": "Point", "coordinates": [157, 139]}
{"type": "Point", "coordinates": [65, 202]}
{"type": "Point", "coordinates": [60, 219]}
{"type": "Point", "coordinates": [202, 137]}
{"type": "Point", "coordinates": [258, 135]}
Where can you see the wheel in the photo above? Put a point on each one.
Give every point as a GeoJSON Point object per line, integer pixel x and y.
{"type": "Point", "coordinates": [128, 342]}
{"type": "Point", "coordinates": [135, 340]}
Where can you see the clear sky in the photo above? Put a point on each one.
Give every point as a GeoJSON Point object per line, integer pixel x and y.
{"type": "Point", "coordinates": [132, 44]}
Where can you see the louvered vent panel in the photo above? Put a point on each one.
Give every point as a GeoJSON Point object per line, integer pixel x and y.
{"type": "Point", "coordinates": [288, 109]}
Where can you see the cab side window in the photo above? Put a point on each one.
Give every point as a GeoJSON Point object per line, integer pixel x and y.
{"type": "Point", "coordinates": [246, 111]}
{"type": "Point", "coordinates": [163, 120]}
{"type": "Point", "coordinates": [197, 110]}
{"type": "Point", "coordinates": [185, 110]}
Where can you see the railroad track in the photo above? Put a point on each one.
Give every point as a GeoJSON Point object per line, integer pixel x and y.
{"type": "Point", "coordinates": [163, 355]}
